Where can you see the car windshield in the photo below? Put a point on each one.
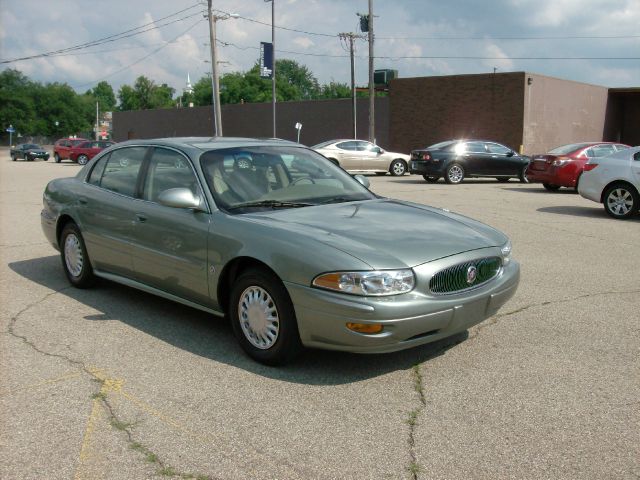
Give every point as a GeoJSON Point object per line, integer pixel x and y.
{"type": "Point", "coordinates": [442, 145]}
{"type": "Point", "coordinates": [76, 142]}
{"type": "Point", "coordinates": [247, 179]}
{"type": "Point", "coordinates": [564, 149]}
{"type": "Point", "coordinates": [31, 146]}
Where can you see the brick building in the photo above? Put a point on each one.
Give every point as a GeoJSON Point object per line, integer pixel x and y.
{"type": "Point", "coordinates": [526, 111]}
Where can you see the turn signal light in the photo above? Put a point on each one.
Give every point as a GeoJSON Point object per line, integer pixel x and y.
{"type": "Point", "coordinates": [365, 327]}
{"type": "Point", "coordinates": [590, 166]}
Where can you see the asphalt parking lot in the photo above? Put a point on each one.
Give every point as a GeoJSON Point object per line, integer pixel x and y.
{"type": "Point", "coordinates": [112, 383]}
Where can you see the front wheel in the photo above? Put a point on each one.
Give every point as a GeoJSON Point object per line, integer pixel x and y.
{"type": "Point", "coordinates": [398, 168]}
{"type": "Point", "coordinates": [57, 158]}
{"type": "Point", "coordinates": [551, 187]}
{"type": "Point", "coordinates": [455, 174]}
{"type": "Point", "coordinates": [263, 318]}
{"type": "Point", "coordinates": [13, 158]}
{"type": "Point", "coordinates": [75, 259]}
{"type": "Point", "coordinates": [523, 175]}
{"type": "Point", "coordinates": [82, 159]}
{"type": "Point", "coordinates": [430, 179]}
{"type": "Point", "coordinates": [621, 201]}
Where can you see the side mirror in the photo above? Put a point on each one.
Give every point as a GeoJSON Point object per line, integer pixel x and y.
{"type": "Point", "coordinates": [378, 150]}
{"type": "Point", "coordinates": [179, 198]}
{"type": "Point", "coordinates": [510, 153]}
{"type": "Point", "coordinates": [362, 180]}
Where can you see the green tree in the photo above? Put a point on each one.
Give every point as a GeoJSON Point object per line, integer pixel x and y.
{"type": "Point", "coordinates": [335, 90]}
{"type": "Point", "coordinates": [145, 94]}
{"type": "Point", "coordinates": [103, 94]}
{"type": "Point", "coordinates": [17, 106]}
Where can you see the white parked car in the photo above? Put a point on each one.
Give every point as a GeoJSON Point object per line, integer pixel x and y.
{"type": "Point", "coordinates": [364, 157]}
{"type": "Point", "coordinates": [614, 181]}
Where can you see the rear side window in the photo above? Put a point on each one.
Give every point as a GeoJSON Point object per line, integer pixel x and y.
{"type": "Point", "coordinates": [351, 146]}
{"type": "Point", "coordinates": [121, 171]}
{"type": "Point", "coordinates": [602, 150]}
{"type": "Point", "coordinates": [475, 147]}
{"type": "Point", "coordinates": [96, 173]}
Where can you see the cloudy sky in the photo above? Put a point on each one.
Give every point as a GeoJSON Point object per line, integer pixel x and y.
{"type": "Point", "coordinates": [592, 41]}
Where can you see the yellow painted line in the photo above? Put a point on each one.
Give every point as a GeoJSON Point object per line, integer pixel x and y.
{"type": "Point", "coordinates": [43, 383]}
{"type": "Point", "coordinates": [109, 385]}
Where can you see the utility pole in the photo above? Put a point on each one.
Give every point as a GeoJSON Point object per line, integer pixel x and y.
{"type": "Point", "coordinates": [350, 37]}
{"type": "Point", "coordinates": [273, 71]}
{"type": "Point", "coordinates": [372, 121]}
{"type": "Point", "coordinates": [97, 121]}
{"type": "Point", "coordinates": [215, 82]}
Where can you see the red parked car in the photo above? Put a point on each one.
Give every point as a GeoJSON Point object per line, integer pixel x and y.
{"type": "Point", "coordinates": [62, 147]}
{"type": "Point", "coordinates": [81, 153]}
{"type": "Point", "coordinates": [562, 166]}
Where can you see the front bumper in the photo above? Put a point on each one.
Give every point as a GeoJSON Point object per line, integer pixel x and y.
{"type": "Point", "coordinates": [409, 320]}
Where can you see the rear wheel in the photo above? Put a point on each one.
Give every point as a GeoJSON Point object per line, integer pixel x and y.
{"type": "Point", "coordinates": [455, 173]}
{"type": "Point", "coordinates": [551, 187]}
{"type": "Point", "coordinates": [75, 259]}
{"type": "Point", "coordinates": [430, 179]}
{"type": "Point", "coordinates": [398, 168]}
{"type": "Point", "coordinates": [621, 201]}
{"type": "Point", "coordinates": [82, 159]}
{"type": "Point", "coordinates": [263, 319]}
{"type": "Point", "coordinates": [56, 157]}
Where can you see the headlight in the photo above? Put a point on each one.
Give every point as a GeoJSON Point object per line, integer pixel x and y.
{"type": "Point", "coordinates": [506, 252]}
{"type": "Point", "coordinates": [375, 283]}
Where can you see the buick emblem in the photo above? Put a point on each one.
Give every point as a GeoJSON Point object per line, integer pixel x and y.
{"type": "Point", "coordinates": [472, 273]}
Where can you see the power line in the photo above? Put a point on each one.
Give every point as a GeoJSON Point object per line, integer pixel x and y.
{"type": "Point", "coordinates": [140, 59]}
{"type": "Point", "coordinates": [111, 38]}
{"type": "Point", "coordinates": [489, 37]}
{"type": "Point", "coordinates": [332, 35]}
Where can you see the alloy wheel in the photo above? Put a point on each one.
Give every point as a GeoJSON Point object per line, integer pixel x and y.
{"type": "Point", "coordinates": [620, 202]}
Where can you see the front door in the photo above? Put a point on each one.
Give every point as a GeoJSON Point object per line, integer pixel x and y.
{"type": "Point", "coordinates": [169, 246]}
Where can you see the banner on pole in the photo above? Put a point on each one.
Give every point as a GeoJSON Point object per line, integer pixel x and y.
{"type": "Point", "coordinates": [266, 60]}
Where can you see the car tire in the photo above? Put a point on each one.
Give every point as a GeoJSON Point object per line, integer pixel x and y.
{"type": "Point", "coordinates": [621, 201]}
{"type": "Point", "coordinates": [398, 168]}
{"type": "Point", "coordinates": [380, 174]}
{"type": "Point", "coordinates": [430, 179]}
{"type": "Point", "coordinates": [82, 159]}
{"type": "Point", "coordinates": [502, 179]}
{"type": "Point", "coordinates": [263, 319]}
{"type": "Point", "coordinates": [75, 259]}
{"type": "Point", "coordinates": [28, 158]}
{"type": "Point", "coordinates": [13, 158]}
{"type": "Point", "coordinates": [57, 158]}
{"type": "Point", "coordinates": [523, 174]}
{"type": "Point", "coordinates": [454, 174]}
{"type": "Point", "coordinates": [551, 187]}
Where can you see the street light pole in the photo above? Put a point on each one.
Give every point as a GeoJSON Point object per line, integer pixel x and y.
{"type": "Point", "coordinates": [273, 72]}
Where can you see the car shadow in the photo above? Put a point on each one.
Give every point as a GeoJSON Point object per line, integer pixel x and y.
{"type": "Point", "coordinates": [211, 337]}
{"type": "Point", "coordinates": [562, 191]}
{"type": "Point", "coordinates": [582, 212]}
{"type": "Point", "coordinates": [417, 179]}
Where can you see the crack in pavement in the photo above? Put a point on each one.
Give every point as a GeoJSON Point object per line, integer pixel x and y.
{"type": "Point", "coordinates": [106, 384]}
{"type": "Point", "coordinates": [496, 318]}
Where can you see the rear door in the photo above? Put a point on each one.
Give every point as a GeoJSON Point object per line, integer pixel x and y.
{"type": "Point", "coordinates": [502, 160]}
{"type": "Point", "coordinates": [107, 208]}
{"type": "Point", "coordinates": [635, 169]}
{"type": "Point", "coordinates": [169, 245]}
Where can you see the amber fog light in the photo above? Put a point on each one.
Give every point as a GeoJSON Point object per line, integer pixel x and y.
{"type": "Point", "coordinates": [364, 327]}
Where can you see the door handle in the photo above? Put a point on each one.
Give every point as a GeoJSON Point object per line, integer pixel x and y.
{"type": "Point", "coordinates": [141, 218]}
{"type": "Point", "coordinates": [82, 201]}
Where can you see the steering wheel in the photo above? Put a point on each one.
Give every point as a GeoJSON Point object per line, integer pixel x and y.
{"type": "Point", "coordinates": [301, 179]}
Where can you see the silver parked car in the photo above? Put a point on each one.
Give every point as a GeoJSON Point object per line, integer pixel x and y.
{"type": "Point", "coordinates": [614, 181]}
{"type": "Point", "coordinates": [364, 157]}
{"type": "Point", "coordinates": [295, 251]}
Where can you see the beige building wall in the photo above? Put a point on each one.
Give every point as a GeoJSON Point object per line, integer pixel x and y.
{"type": "Point", "coordinates": [557, 112]}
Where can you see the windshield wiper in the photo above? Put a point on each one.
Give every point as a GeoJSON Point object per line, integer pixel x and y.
{"type": "Point", "coordinates": [341, 200]}
{"type": "Point", "coordinates": [270, 204]}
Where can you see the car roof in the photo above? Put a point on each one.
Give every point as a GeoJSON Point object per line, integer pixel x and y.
{"type": "Point", "coordinates": [211, 143]}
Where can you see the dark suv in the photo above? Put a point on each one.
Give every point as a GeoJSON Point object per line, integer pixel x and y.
{"type": "Point", "coordinates": [62, 148]}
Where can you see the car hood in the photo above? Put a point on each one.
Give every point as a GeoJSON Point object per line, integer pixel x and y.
{"type": "Point", "coordinates": [384, 233]}
{"type": "Point", "coordinates": [36, 150]}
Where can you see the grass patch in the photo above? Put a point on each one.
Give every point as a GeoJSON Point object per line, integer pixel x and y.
{"type": "Point", "coordinates": [167, 472]}
{"type": "Point", "coordinates": [413, 417]}
{"type": "Point", "coordinates": [99, 396]}
{"type": "Point", "coordinates": [119, 425]}
{"type": "Point", "coordinates": [414, 468]}
{"type": "Point", "coordinates": [151, 457]}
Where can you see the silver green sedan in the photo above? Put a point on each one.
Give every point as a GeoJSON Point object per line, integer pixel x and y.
{"type": "Point", "coordinates": [294, 250]}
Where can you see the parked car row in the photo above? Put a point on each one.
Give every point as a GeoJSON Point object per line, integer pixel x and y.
{"type": "Point", "coordinates": [79, 150]}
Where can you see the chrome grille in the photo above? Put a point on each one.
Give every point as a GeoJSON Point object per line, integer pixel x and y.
{"type": "Point", "coordinates": [454, 279]}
